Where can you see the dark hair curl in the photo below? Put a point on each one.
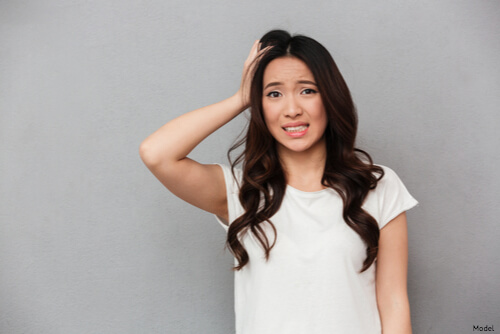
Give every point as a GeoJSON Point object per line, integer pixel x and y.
{"type": "Point", "coordinates": [348, 170]}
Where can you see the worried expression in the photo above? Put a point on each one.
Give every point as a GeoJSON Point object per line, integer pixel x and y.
{"type": "Point", "coordinates": [293, 109]}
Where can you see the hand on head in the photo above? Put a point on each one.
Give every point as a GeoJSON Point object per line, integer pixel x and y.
{"type": "Point", "coordinates": [248, 71]}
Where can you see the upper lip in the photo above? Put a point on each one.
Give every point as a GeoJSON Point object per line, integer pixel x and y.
{"type": "Point", "coordinates": [293, 124]}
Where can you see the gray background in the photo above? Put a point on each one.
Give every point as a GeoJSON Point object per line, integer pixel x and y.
{"type": "Point", "coordinates": [91, 242]}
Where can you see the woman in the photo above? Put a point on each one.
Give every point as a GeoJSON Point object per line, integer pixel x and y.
{"type": "Point", "coordinates": [318, 231]}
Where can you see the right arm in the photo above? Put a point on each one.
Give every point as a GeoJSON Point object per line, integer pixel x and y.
{"type": "Point", "coordinates": [165, 154]}
{"type": "Point", "coordinates": [165, 151]}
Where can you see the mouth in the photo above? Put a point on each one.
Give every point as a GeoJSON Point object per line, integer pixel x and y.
{"type": "Point", "coordinates": [296, 130]}
{"type": "Point", "coordinates": [293, 129]}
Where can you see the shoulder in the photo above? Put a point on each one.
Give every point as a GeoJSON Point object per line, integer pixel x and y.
{"type": "Point", "coordinates": [389, 178]}
{"type": "Point", "coordinates": [390, 186]}
{"type": "Point", "coordinates": [232, 177]}
{"type": "Point", "coordinates": [389, 198]}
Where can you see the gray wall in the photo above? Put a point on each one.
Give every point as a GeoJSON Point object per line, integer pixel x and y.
{"type": "Point", "coordinates": [90, 241]}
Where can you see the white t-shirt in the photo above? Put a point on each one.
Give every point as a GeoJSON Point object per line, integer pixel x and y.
{"type": "Point", "coordinates": [311, 283]}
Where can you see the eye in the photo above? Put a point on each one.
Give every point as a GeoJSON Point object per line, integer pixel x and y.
{"type": "Point", "coordinates": [274, 94]}
{"type": "Point", "coordinates": [308, 91]}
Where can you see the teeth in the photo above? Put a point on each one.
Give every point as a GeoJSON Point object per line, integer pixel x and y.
{"type": "Point", "coordinates": [296, 128]}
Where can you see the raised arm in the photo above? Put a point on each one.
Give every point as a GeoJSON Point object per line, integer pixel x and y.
{"type": "Point", "coordinates": [165, 151]}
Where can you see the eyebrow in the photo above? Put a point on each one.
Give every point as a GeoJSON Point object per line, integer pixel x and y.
{"type": "Point", "coordinates": [276, 83]}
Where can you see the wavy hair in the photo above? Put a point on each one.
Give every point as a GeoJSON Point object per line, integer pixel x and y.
{"type": "Point", "coordinates": [348, 170]}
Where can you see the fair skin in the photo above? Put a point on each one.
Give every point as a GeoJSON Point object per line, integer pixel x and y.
{"type": "Point", "coordinates": [391, 277]}
{"type": "Point", "coordinates": [296, 118]}
{"type": "Point", "coordinates": [165, 151]}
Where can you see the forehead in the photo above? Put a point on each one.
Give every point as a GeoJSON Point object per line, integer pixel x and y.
{"type": "Point", "coordinates": [287, 69]}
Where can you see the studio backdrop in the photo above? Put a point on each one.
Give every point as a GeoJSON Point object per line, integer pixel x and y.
{"type": "Point", "coordinates": [91, 242]}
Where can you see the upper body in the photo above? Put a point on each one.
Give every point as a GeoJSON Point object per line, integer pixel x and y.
{"type": "Point", "coordinates": [302, 132]}
{"type": "Point", "coordinates": [311, 283]}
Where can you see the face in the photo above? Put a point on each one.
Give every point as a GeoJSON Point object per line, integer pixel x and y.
{"type": "Point", "coordinates": [292, 106]}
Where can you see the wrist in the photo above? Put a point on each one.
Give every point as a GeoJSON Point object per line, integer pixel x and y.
{"type": "Point", "coordinates": [240, 100]}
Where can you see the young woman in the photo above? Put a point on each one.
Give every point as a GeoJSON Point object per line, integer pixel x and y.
{"type": "Point", "coordinates": [318, 231]}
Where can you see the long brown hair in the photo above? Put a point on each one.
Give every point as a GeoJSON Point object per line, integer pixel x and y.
{"type": "Point", "coordinates": [348, 170]}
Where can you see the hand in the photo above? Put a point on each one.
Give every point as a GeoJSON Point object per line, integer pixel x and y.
{"type": "Point", "coordinates": [248, 72]}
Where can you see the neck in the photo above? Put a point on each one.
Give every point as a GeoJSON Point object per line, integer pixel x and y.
{"type": "Point", "coordinates": [304, 169]}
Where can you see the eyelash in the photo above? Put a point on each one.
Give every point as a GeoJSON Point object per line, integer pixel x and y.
{"type": "Point", "coordinates": [312, 91]}
{"type": "Point", "coordinates": [271, 93]}
{"type": "Point", "coordinates": [309, 90]}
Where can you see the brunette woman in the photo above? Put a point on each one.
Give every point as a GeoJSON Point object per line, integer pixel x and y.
{"type": "Point", "coordinates": [318, 232]}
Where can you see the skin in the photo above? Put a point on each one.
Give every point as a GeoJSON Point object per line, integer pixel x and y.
{"type": "Point", "coordinates": [291, 96]}
{"type": "Point", "coordinates": [165, 152]}
{"type": "Point", "coordinates": [391, 277]}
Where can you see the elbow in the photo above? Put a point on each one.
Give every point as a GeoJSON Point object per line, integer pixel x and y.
{"type": "Point", "coordinates": [148, 155]}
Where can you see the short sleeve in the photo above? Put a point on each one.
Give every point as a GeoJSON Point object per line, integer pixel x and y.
{"type": "Point", "coordinates": [389, 199]}
{"type": "Point", "coordinates": [232, 192]}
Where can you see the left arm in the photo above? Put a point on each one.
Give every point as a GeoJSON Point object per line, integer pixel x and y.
{"type": "Point", "coordinates": [391, 277]}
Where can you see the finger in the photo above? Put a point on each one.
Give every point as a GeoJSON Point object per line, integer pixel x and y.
{"type": "Point", "coordinates": [264, 50]}
{"type": "Point", "coordinates": [255, 45]}
{"type": "Point", "coordinates": [254, 50]}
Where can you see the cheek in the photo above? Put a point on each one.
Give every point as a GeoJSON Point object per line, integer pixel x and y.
{"type": "Point", "coordinates": [270, 113]}
{"type": "Point", "coordinates": [322, 118]}
{"type": "Point", "coordinates": [318, 111]}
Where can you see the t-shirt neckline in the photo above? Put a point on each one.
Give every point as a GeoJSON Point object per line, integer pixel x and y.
{"type": "Point", "coordinates": [307, 193]}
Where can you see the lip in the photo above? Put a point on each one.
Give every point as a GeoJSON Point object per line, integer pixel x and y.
{"type": "Point", "coordinates": [293, 124]}
{"type": "Point", "coordinates": [296, 134]}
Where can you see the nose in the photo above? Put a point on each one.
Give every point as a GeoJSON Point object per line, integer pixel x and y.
{"type": "Point", "coordinates": [292, 108]}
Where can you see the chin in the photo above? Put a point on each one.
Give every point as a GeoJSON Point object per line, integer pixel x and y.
{"type": "Point", "coordinates": [294, 148]}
